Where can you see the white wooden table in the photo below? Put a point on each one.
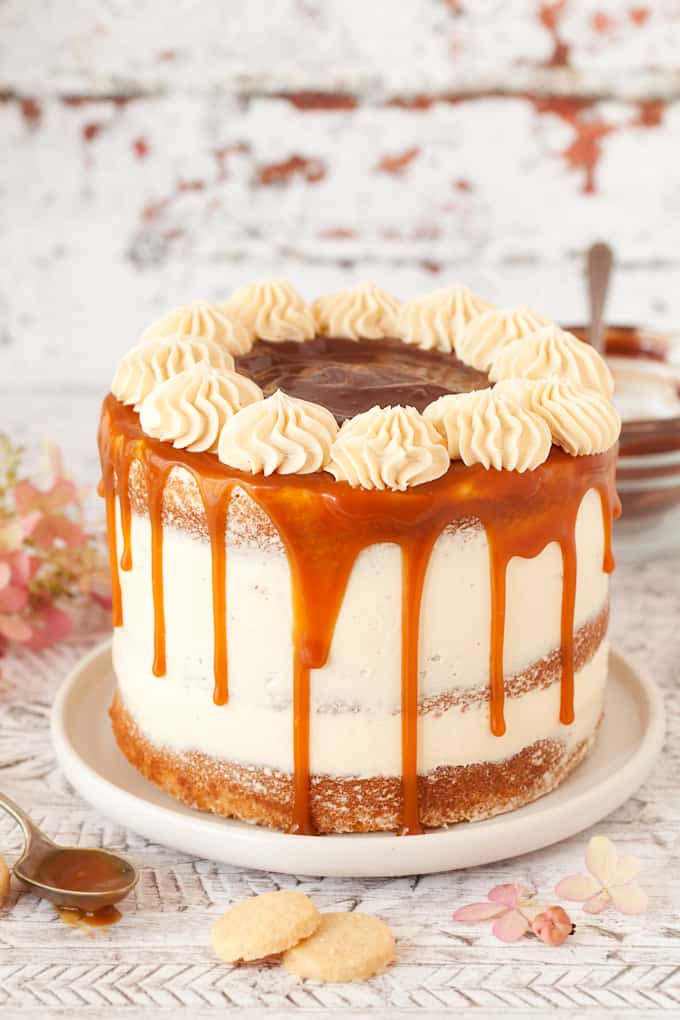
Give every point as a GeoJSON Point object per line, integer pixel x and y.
{"type": "Point", "coordinates": [157, 961]}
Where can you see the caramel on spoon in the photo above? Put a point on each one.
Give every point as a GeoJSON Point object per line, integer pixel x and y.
{"type": "Point", "coordinates": [89, 880]}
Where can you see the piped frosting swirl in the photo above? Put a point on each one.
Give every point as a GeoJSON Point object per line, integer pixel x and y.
{"type": "Point", "coordinates": [483, 427]}
{"type": "Point", "coordinates": [154, 361]}
{"type": "Point", "coordinates": [581, 421]}
{"type": "Point", "coordinates": [553, 351]}
{"type": "Point", "coordinates": [357, 313]}
{"type": "Point", "coordinates": [487, 334]}
{"type": "Point", "coordinates": [206, 320]}
{"type": "Point", "coordinates": [272, 310]}
{"type": "Point", "coordinates": [190, 409]}
{"type": "Point", "coordinates": [436, 321]}
{"type": "Point", "coordinates": [388, 448]}
{"type": "Point", "coordinates": [281, 434]}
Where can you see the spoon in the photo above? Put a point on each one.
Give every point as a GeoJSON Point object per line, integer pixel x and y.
{"type": "Point", "coordinates": [600, 260]}
{"type": "Point", "coordinates": [72, 877]}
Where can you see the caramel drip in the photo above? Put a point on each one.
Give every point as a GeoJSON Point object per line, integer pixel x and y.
{"type": "Point", "coordinates": [325, 525]}
{"type": "Point", "coordinates": [611, 511]}
{"type": "Point", "coordinates": [415, 558]}
{"type": "Point", "coordinates": [156, 490]}
{"type": "Point", "coordinates": [108, 491]}
{"type": "Point", "coordinates": [109, 485]}
{"type": "Point", "coordinates": [302, 819]}
{"type": "Point", "coordinates": [216, 504]}
{"type": "Point", "coordinates": [498, 564]}
{"type": "Point", "coordinates": [320, 567]}
{"type": "Point", "coordinates": [525, 539]}
{"type": "Point", "coordinates": [123, 465]}
{"type": "Point", "coordinates": [568, 547]}
{"type": "Point", "coordinates": [74, 917]}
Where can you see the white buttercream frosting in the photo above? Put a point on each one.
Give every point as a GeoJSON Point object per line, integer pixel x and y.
{"type": "Point", "coordinates": [388, 448]}
{"type": "Point", "coordinates": [581, 421]}
{"type": "Point", "coordinates": [436, 321]}
{"type": "Point", "coordinates": [201, 318]}
{"type": "Point", "coordinates": [487, 334]}
{"type": "Point", "coordinates": [280, 434]}
{"type": "Point", "coordinates": [189, 409]}
{"type": "Point", "coordinates": [154, 361]}
{"type": "Point", "coordinates": [364, 666]}
{"type": "Point", "coordinates": [272, 310]}
{"type": "Point", "coordinates": [483, 427]}
{"type": "Point", "coordinates": [553, 351]}
{"type": "Point", "coordinates": [357, 313]}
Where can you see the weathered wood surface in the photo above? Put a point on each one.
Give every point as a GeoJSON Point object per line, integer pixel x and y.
{"type": "Point", "coordinates": [157, 153]}
{"type": "Point", "coordinates": [378, 49]}
{"type": "Point", "coordinates": [157, 961]}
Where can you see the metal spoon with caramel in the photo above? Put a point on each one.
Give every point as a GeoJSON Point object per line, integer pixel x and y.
{"type": "Point", "coordinates": [84, 883]}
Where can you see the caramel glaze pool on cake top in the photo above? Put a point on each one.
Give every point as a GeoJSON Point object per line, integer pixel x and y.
{"type": "Point", "coordinates": [349, 377]}
{"type": "Point", "coordinates": [324, 525]}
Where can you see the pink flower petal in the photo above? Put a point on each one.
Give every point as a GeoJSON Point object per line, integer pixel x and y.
{"type": "Point", "coordinates": [13, 599]}
{"type": "Point", "coordinates": [509, 894]}
{"type": "Point", "coordinates": [629, 899]}
{"type": "Point", "coordinates": [625, 871]}
{"type": "Point", "coordinates": [601, 858]}
{"type": "Point", "coordinates": [20, 564]}
{"type": "Point", "coordinates": [102, 599]}
{"type": "Point", "coordinates": [27, 498]}
{"type": "Point", "coordinates": [577, 887]}
{"type": "Point", "coordinates": [511, 927]}
{"type": "Point", "coordinates": [479, 912]}
{"type": "Point", "coordinates": [5, 574]}
{"type": "Point", "coordinates": [14, 629]}
{"type": "Point", "coordinates": [597, 903]}
{"type": "Point", "coordinates": [29, 522]}
{"type": "Point", "coordinates": [49, 626]}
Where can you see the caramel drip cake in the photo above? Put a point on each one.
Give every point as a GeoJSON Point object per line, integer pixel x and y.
{"type": "Point", "coordinates": [359, 554]}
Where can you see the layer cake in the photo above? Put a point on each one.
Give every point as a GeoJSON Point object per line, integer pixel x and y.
{"type": "Point", "coordinates": [360, 555]}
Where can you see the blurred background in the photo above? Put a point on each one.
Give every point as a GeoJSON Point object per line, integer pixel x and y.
{"type": "Point", "coordinates": [159, 152]}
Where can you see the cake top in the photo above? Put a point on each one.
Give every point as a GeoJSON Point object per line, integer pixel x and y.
{"type": "Point", "coordinates": [380, 393]}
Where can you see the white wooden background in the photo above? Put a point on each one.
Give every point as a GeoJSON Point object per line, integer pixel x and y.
{"type": "Point", "coordinates": [154, 152]}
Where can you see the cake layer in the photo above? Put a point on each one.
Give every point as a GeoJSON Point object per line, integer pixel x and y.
{"type": "Point", "coordinates": [250, 731]}
{"type": "Point", "coordinates": [307, 630]}
{"type": "Point", "coordinates": [266, 796]}
{"type": "Point", "coordinates": [363, 671]}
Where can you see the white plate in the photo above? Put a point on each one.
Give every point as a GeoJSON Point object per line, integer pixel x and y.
{"type": "Point", "coordinates": [630, 737]}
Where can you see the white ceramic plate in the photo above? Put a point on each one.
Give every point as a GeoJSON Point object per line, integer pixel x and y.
{"type": "Point", "coordinates": [630, 737]}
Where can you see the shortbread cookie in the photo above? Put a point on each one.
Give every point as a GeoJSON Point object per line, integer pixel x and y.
{"type": "Point", "coordinates": [4, 881]}
{"type": "Point", "coordinates": [264, 925]}
{"type": "Point", "coordinates": [345, 947]}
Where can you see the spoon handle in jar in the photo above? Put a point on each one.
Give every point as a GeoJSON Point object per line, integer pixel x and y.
{"type": "Point", "coordinates": [600, 259]}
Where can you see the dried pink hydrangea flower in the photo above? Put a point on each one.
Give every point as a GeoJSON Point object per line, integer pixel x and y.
{"type": "Point", "coordinates": [46, 556]}
{"type": "Point", "coordinates": [553, 926]}
{"type": "Point", "coordinates": [510, 906]}
{"type": "Point", "coordinates": [610, 881]}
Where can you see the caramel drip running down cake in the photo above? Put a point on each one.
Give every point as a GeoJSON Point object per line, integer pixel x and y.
{"type": "Point", "coordinates": [360, 554]}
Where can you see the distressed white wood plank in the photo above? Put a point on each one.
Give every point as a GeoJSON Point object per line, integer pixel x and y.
{"type": "Point", "coordinates": [134, 208]}
{"type": "Point", "coordinates": [379, 48]}
{"type": "Point", "coordinates": [203, 178]}
{"type": "Point", "coordinates": [157, 961]}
